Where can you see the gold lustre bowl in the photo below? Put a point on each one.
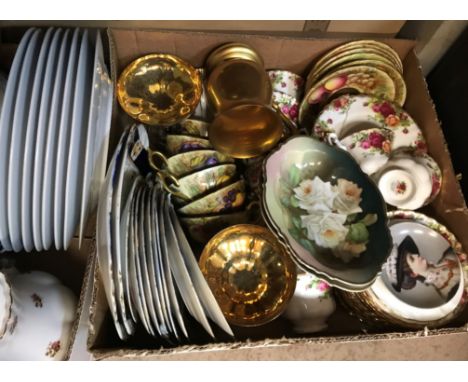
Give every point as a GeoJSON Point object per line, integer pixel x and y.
{"type": "Point", "coordinates": [250, 274]}
{"type": "Point", "coordinates": [159, 89]}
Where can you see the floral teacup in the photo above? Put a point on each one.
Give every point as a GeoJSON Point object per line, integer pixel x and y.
{"type": "Point", "coordinates": [190, 127]}
{"type": "Point", "coordinates": [311, 304]}
{"type": "Point", "coordinates": [287, 82]}
{"type": "Point", "coordinates": [288, 105]}
{"type": "Point", "coordinates": [223, 200]}
{"type": "Point", "coordinates": [405, 183]}
{"type": "Point", "coordinates": [177, 144]}
{"type": "Point", "coordinates": [184, 163]}
{"type": "Point", "coordinates": [434, 172]}
{"type": "Point", "coordinates": [198, 183]}
{"type": "Point", "coordinates": [371, 148]}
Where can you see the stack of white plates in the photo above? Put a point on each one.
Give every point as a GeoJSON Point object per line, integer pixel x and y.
{"type": "Point", "coordinates": [147, 267]}
{"type": "Point", "coordinates": [54, 129]}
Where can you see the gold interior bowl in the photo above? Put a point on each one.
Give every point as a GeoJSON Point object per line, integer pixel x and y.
{"type": "Point", "coordinates": [250, 274]}
{"type": "Point", "coordinates": [159, 89]}
{"type": "Point", "coordinates": [246, 131]}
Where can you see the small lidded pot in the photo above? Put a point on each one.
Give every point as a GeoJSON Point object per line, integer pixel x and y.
{"type": "Point", "coordinates": [236, 75]}
{"type": "Point", "coordinates": [311, 304]}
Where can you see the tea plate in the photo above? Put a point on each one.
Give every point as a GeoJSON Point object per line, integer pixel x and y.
{"type": "Point", "coordinates": [104, 239]}
{"type": "Point", "coordinates": [6, 123]}
{"type": "Point", "coordinates": [175, 309]}
{"type": "Point", "coordinates": [181, 275]}
{"type": "Point", "coordinates": [204, 292]}
{"type": "Point", "coordinates": [77, 150]}
{"type": "Point", "coordinates": [127, 251]}
{"type": "Point", "coordinates": [46, 153]}
{"type": "Point", "coordinates": [40, 89]}
{"type": "Point", "coordinates": [16, 149]}
{"type": "Point", "coordinates": [63, 144]}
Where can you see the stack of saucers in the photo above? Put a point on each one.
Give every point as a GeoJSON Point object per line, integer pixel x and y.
{"type": "Point", "coordinates": [150, 274]}
{"type": "Point", "coordinates": [366, 67]}
{"type": "Point", "coordinates": [388, 145]}
{"type": "Point", "coordinates": [204, 182]}
{"type": "Point", "coordinates": [54, 126]}
{"type": "Point", "coordinates": [424, 281]}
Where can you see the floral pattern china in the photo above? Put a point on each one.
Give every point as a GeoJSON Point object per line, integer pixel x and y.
{"type": "Point", "coordinates": [326, 211]}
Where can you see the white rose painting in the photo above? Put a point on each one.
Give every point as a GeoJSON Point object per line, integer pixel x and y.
{"type": "Point", "coordinates": [326, 214]}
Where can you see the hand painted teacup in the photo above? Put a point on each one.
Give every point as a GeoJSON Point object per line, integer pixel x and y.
{"type": "Point", "coordinates": [176, 144]}
{"type": "Point", "coordinates": [434, 172]}
{"type": "Point", "coordinates": [185, 163]}
{"type": "Point", "coordinates": [371, 148]}
{"type": "Point", "coordinates": [311, 304]}
{"type": "Point", "coordinates": [404, 183]}
{"type": "Point", "coordinates": [287, 82]}
{"type": "Point", "coordinates": [190, 127]}
{"type": "Point", "coordinates": [220, 201]}
{"type": "Point", "coordinates": [198, 183]}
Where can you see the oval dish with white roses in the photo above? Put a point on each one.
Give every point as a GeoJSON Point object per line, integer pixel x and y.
{"type": "Point", "coordinates": [327, 212]}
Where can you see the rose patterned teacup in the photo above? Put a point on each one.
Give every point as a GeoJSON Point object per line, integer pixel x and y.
{"type": "Point", "coordinates": [198, 183]}
{"type": "Point", "coordinates": [404, 183]}
{"type": "Point", "coordinates": [177, 144]}
{"type": "Point", "coordinates": [311, 305]}
{"type": "Point", "coordinates": [288, 105]}
{"type": "Point", "coordinates": [434, 172]}
{"type": "Point", "coordinates": [184, 163]}
{"type": "Point", "coordinates": [287, 82]}
{"type": "Point", "coordinates": [223, 200]}
{"type": "Point", "coordinates": [371, 148]}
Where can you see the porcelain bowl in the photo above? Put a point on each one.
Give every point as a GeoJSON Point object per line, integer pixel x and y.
{"type": "Point", "coordinates": [327, 212]}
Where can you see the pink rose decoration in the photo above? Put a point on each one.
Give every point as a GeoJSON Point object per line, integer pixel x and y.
{"type": "Point", "coordinates": [283, 84]}
{"type": "Point", "coordinates": [376, 139]}
{"type": "Point", "coordinates": [365, 145]}
{"type": "Point", "coordinates": [293, 111]}
{"type": "Point", "coordinates": [285, 109]}
{"type": "Point", "coordinates": [384, 108]}
{"type": "Point", "coordinates": [322, 286]}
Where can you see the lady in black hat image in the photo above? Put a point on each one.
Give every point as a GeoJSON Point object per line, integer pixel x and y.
{"type": "Point", "coordinates": [405, 267]}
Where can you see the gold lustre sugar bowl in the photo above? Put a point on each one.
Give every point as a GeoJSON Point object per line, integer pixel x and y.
{"type": "Point", "coordinates": [159, 89]}
{"type": "Point", "coordinates": [250, 274]}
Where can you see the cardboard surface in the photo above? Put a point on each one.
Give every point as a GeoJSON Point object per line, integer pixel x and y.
{"type": "Point", "coordinates": [344, 337]}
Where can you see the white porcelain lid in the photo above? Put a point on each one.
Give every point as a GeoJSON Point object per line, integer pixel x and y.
{"type": "Point", "coordinates": [5, 303]}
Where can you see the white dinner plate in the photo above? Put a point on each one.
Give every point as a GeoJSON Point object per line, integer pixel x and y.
{"type": "Point", "coordinates": [63, 147]}
{"type": "Point", "coordinates": [125, 174]}
{"type": "Point", "coordinates": [16, 148]}
{"type": "Point", "coordinates": [173, 305]}
{"type": "Point", "coordinates": [97, 140]}
{"type": "Point", "coordinates": [47, 143]}
{"type": "Point", "coordinates": [39, 90]}
{"type": "Point", "coordinates": [181, 274]}
{"type": "Point", "coordinates": [6, 119]}
{"type": "Point", "coordinates": [77, 149]}
{"type": "Point", "coordinates": [103, 238]}
{"type": "Point", "coordinates": [37, 138]}
{"type": "Point", "coordinates": [202, 288]}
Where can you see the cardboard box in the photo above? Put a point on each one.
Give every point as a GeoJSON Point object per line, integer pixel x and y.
{"type": "Point", "coordinates": [346, 335]}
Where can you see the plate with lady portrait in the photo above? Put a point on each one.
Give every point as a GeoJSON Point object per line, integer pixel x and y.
{"type": "Point", "coordinates": [423, 282]}
{"type": "Point", "coordinates": [326, 211]}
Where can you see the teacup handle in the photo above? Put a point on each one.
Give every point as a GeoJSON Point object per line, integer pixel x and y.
{"type": "Point", "coordinates": [167, 180]}
{"type": "Point", "coordinates": [152, 154]}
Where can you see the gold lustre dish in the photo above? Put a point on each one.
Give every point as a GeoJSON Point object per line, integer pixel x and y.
{"type": "Point", "coordinates": [250, 274]}
{"type": "Point", "coordinates": [246, 131]}
{"type": "Point", "coordinates": [159, 89]}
